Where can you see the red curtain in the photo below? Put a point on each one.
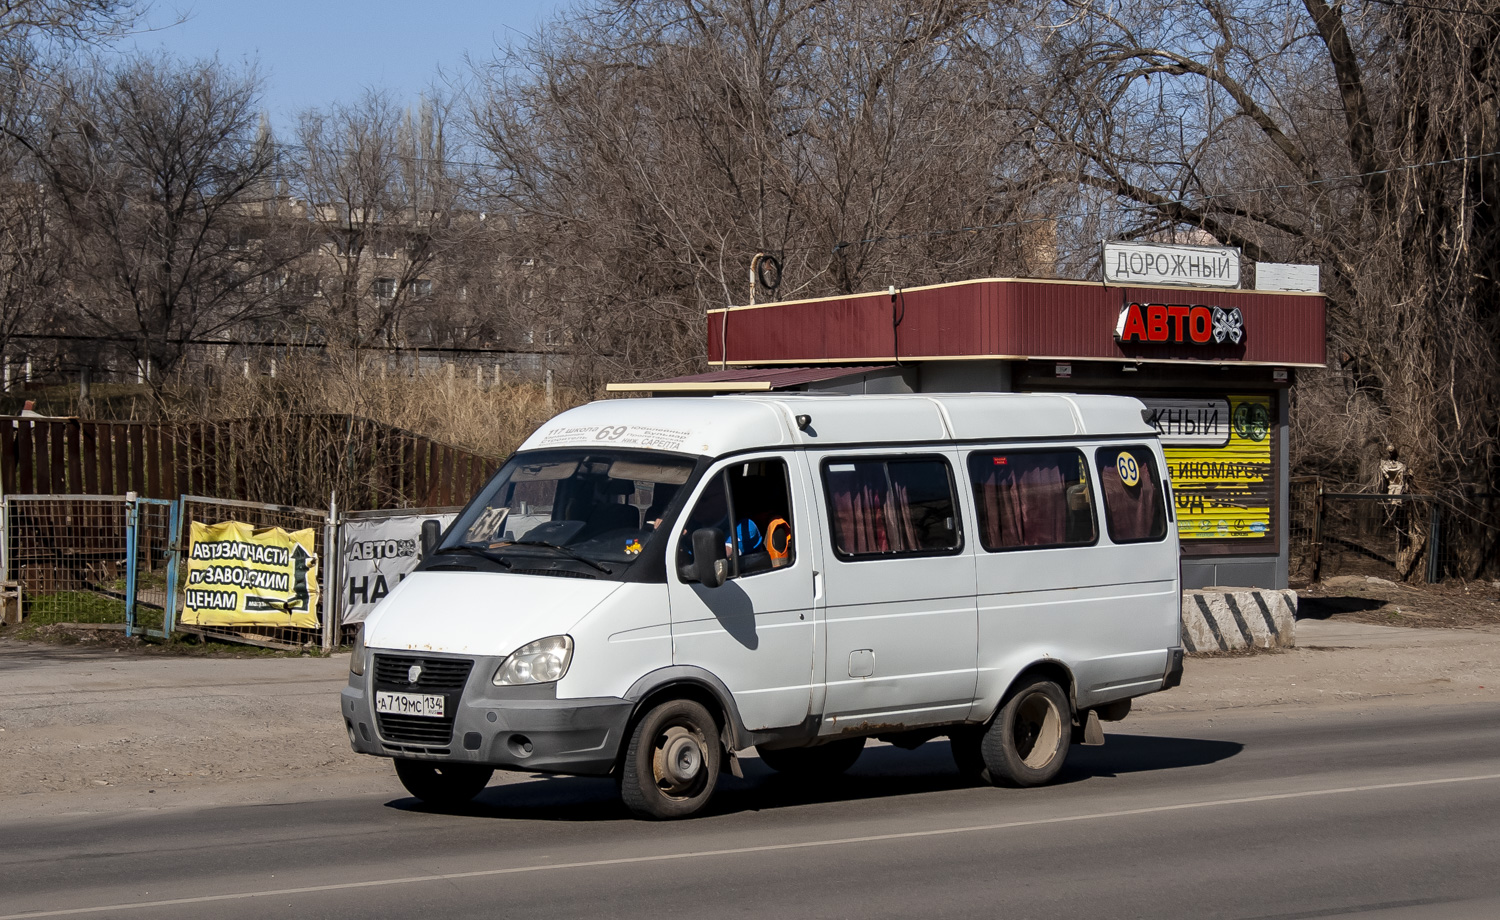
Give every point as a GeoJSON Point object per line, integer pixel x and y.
{"type": "Point", "coordinates": [1024, 501]}
{"type": "Point", "coordinates": [870, 516]}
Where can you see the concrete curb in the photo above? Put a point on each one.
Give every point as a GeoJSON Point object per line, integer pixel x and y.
{"type": "Point", "coordinates": [1228, 619]}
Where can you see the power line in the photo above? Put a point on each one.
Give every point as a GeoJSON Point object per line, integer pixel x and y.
{"type": "Point", "coordinates": [285, 343]}
{"type": "Point", "coordinates": [1194, 201]}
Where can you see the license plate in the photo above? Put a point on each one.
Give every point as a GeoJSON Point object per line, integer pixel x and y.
{"type": "Point", "coordinates": [427, 705]}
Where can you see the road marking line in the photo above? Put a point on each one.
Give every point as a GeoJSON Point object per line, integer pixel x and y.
{"type": "Point", "coordinates": [737, 851]}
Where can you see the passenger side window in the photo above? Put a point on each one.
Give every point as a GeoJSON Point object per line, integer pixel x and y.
{"type": "Point", "coordinates": [891, 507]}
{"type": "Point", "coordinates": [1032, 499]}
{"type": "Point", "coordinates": [1133, 507]}
{"type": "Point", "coordinates": [751, 503]}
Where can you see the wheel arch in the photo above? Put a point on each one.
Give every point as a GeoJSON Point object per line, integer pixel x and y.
{"type": "Point", "coordinates": [1050, 668]}
{"type": "Point", "coordinates": [691, 683]}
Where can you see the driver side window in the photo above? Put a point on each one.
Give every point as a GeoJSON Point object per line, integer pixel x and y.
{"type": "Point", "coordinates": [750, 503]}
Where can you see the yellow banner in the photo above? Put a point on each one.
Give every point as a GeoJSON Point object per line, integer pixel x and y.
{"type": "Point", "coordinates": [1224, 493]}
{"type": "Point", "coordinates": [237, 576]}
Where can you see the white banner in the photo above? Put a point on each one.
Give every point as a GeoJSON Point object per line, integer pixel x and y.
{"type": "Point", "coordinates": [1160, 263]}
{"type": "Point", "coordinates": [377, 555]}
{"type": "Point", "coordinates": [1279, 276]}
{"type": "Point", "coordinates": [1190, 422]}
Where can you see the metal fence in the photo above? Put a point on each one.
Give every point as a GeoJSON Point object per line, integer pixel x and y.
{"type": "Point", "coordinates": [1396, 537]}
{"type": "Point", "coordinates": [69, 554]}
{"type": "Point", "coordinates": [120, 561]}
{"type": "Point", "coordinates": [258, 515]}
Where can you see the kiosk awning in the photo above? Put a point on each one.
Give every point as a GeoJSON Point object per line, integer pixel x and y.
{"type": "Point", "coordinates": [747, 380]}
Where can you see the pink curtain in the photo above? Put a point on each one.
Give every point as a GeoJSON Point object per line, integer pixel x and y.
{"type": "Point", "coordinates": [1134, 512]}
{"type": "Point", "coordinates": [868, 516]}
{"type": "Point", "coordinates": [1023, 501]}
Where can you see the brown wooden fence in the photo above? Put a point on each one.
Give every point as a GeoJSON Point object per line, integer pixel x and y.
{"type": "Point", "coordinates": [288, 460]}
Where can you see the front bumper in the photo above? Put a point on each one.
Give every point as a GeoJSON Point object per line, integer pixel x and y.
{"type": "Point", "coordinates": [509, 728]}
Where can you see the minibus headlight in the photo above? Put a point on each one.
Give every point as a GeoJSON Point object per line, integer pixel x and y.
{"type": "Point", "coordinates": [357, 655]}
{"type": "Point", "coordinates": [539, 662]}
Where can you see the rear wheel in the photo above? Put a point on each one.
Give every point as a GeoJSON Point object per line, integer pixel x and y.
{"type": "Point", "coordinates": [825, 760]}
{"type": "Point", "coordinates": [445, 785]}
{"type": "Point", "coordinates": [1028, 741]}
{"type": "Point", "coordinates": [672, 763]}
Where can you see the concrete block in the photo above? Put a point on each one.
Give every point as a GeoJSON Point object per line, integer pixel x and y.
{"type": "Point", "coordinates": [1230, 619]}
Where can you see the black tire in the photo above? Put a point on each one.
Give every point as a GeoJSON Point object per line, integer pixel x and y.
{"type": "Point", "coordinates": [1028, 741]}
{"type": "Point", "coordinates": [443, 785]}
{"type": "Point", "coordinates": [672, 762]}
{"type": "Point", "coordinates": [823, 761]}
{"type": "Point", "coordinates": [968, 753]}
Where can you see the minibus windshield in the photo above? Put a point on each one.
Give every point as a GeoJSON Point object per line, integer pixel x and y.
{"type": "Point", "coordinates": [598, 507]}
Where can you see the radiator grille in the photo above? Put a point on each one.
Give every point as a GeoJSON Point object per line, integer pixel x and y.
{"type": "Point", "coordinates": [445, 676]}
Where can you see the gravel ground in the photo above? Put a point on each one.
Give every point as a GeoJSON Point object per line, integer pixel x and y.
{"type": "Point", "coordinates": [98, 727]}
{"type": "Point", "coordinates": [1362, 599]}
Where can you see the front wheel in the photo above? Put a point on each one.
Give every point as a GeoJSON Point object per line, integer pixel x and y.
{"type": "Point", "coordinates": [821, 762]}
{"type": "Point", "coordinates": [672, 762]}
{"type": "Point", "coordinates": [444, 785]}
{"type": "Point", "coordinates": [1028, 741]}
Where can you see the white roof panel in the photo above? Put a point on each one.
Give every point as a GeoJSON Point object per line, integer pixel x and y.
{"type": "Point", "coordinates": [719, 425]}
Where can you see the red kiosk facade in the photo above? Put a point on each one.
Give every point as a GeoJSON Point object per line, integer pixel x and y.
{"type": "Point", "coordinates": [1215, 367]}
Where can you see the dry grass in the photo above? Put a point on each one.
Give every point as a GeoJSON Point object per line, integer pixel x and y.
{"type": "Point", "coordinates": [447, 405]}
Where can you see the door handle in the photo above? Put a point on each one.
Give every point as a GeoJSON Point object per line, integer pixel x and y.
{"type": "Point", "coordinates": [817, 585]}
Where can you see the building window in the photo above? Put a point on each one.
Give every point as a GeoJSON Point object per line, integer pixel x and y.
{"type": "Point", "coordinates": [894, 506]}
{"type": "Point", "coordinates": [1032, 499]}
{"type": "Point", "coordinates": [1133, 507]}
{"type": "Point", "coordinates": [420, 288]}
{"type": "Point", "coordinates": [384, 288]}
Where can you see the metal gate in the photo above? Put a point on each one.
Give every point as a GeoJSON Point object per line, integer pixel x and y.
{"type": "Point", "coordinates": [151, 579]}
{"type": "Point", "coordinates": [259, 515]}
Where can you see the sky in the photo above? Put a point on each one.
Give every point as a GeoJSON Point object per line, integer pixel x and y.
{"type": "Point", "coordinates": [314, 52]}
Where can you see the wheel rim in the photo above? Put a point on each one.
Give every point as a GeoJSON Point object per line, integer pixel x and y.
{"type": "Point", "coordinates": [1037, 732]}
{"type": "Point", "coordinates": [678, 761]}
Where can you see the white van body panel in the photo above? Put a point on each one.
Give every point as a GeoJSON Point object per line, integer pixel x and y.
{"type": "Point", "coordinates": [757, 633]}
{"type": "Point", "coordinates": [1108, 613]}
{"type": "Point", "coordinates": [627, 635]}
{"type": "Point", "coordinates": [480, 613]}
{"type": "Point", "coordinates": [910, 621]}
{"type": "Point", "coordinates": [679, 425]}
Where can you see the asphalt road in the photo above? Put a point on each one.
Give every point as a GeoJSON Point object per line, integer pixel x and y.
{"type": "Point", "coordinates": [1391, 814]}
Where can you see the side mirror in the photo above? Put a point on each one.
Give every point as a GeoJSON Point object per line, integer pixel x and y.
{"type": "Point", "coordinates": [431, 531]}
{"type": "Point", "coordinates": [710, 561]}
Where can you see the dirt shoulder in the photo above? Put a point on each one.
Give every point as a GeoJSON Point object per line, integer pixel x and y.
{"type": "Point", "coordinates": [1361, 599]}
{"type": "Point", "coordinates": [88, 729]}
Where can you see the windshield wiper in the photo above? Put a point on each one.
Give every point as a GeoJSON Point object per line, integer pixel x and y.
{"type": "Point", "coordinates": [570, 552]}
{"type": "Point", "coordinates": [476, 551]}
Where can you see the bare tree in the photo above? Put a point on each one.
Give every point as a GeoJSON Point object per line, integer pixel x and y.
{"type": "Point", "coordinates": [165, 185]}
{"type": "Point", "coordinates": [389, 213]}
{"type": "Point", "coordinates": [1361, 138]}
{"type": "Point", "coordinates": [648, 149]}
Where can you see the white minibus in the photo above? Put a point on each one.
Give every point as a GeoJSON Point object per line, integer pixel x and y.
{"type": "Point", "coordinates": [650, 587]}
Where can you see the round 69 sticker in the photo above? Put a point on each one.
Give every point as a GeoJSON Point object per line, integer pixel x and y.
{"type": "Point", "coordinates": [1129, 470]}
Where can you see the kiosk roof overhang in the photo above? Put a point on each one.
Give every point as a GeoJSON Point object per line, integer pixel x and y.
{"type": "Point", "coordinates": [1010, 319]}
{"type": "Point", "coordinates": [744, 380]}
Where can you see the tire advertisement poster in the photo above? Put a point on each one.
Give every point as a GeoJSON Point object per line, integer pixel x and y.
{"type": "Point", "coordinates": [240, 576]}
{"type": "Point", "coordinates": [1219, 454]}
{"type": "Point", "coordinates": [377, 554]}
